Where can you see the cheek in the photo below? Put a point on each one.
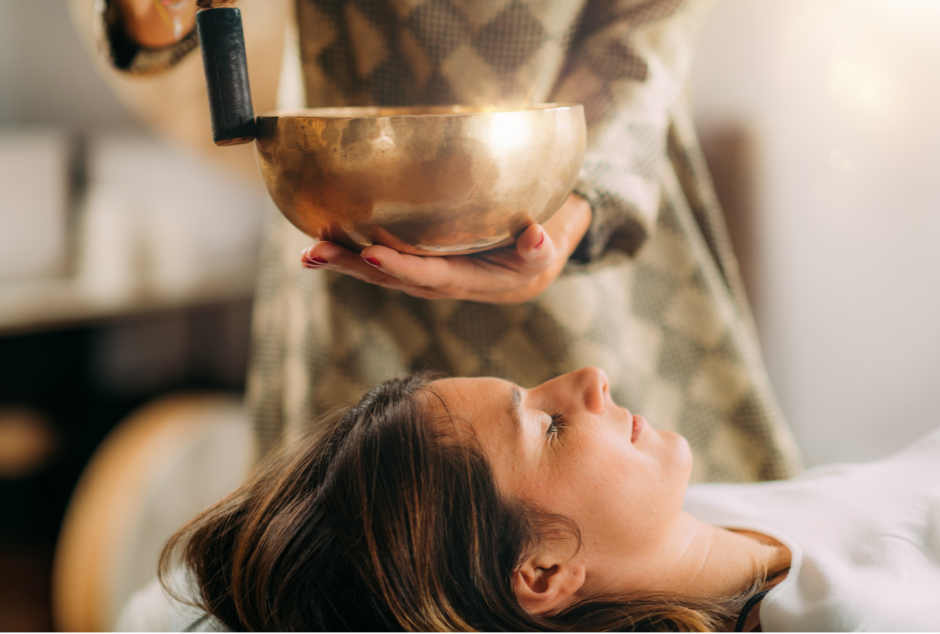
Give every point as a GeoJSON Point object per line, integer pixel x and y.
{"type": "Point", "coordinates": [629, 492]}
{"type": "Point", "coordinates": [577, 473]}
{"type": "Point", "coordinates": [607, 485]}
{"type": "Point", "coordinates": [602, 480]}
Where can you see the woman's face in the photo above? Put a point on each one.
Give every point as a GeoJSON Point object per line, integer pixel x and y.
{"type": "Point", "coordinates": [567, 448]}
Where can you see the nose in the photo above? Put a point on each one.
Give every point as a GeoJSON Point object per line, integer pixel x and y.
{"type": "Point", "coordinates": [593, 386]}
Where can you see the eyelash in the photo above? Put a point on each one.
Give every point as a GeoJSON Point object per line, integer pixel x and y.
{"type": "Point", "coordinates": [557, 424]}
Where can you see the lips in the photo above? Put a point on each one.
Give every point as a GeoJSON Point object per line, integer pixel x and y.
{"type": "Point", "coordinates": [638, 423]}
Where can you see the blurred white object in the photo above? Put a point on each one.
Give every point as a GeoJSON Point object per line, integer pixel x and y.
{"type": "Point", "coordinates": [175, 252]}
{"type": "Point", "coordinates": [34, 187]}
{"type": "Point", "coordinates": [157, 228]}
{"type": "Point", "coordinates": [156, 470]}
{"type": "Point", "coordinates": [107, 264]}
{"type": "Point", "coordinates": [182, 219]}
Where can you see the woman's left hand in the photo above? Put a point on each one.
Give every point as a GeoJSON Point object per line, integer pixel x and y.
{"type": "Point", "coordinates": [509, 275]}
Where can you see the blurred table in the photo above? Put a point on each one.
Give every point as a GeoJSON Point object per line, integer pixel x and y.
{"type": "Point", "coordinates": [54, 303]}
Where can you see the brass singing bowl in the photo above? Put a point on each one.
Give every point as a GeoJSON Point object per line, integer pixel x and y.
{"type": "Point", "coordinates": [434, 180]}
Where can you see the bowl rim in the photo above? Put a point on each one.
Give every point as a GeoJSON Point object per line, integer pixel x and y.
{"type": "Point", "coordinates": [350, 113]}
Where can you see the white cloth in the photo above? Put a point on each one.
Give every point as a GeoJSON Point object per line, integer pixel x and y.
{"type": "Point", "coordinates": [151, 609]}
{"type": "Point", "coordinates": [864, 539]}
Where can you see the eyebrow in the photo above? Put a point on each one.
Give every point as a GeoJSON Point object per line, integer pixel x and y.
{"type": "Point", "coordinates": [515, 409]}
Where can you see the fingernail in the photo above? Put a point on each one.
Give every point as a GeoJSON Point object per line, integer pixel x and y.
{"type": "Point", "coordinates": [371, 261]}
{"type": "Point", "coordinates": [313, 260]}
{"type": "Point", "coordinates": [541, 241]}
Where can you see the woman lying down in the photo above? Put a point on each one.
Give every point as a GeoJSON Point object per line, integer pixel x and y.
{"type": "Point", "coordinates": [462, 504]}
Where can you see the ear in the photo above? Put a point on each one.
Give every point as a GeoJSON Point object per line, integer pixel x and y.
{"type": "Point", "coordinates": [543, 585]}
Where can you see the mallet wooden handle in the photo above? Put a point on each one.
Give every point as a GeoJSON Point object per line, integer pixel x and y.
{"type": "Point", "coordinates": [223, 57]}
{"type": "Point", "coordinates": [214, 4]}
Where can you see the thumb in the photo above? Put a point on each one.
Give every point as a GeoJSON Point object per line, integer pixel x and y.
{"type": "Point", "coordinates": [535, 246]}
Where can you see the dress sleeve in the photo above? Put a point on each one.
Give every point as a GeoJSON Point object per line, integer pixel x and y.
{"type": "Point", "coordinates": [125, 54]}
{"type": "Point", "coordinates": [628, 65]}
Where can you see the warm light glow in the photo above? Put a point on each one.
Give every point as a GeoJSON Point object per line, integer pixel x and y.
{"type": "Point", "coordinates": [508, 131]}
{"type": "Point", "coordinates": [862, 87]}
{"type": "Point", "coordinates": [864, 61]}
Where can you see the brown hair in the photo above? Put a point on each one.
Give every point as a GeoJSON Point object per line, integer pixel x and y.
{"type": "Point", "coordinates": [382, 521]}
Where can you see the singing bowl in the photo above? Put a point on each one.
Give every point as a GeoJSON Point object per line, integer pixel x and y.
{"type": "Point", "coordinates": [435, 180]}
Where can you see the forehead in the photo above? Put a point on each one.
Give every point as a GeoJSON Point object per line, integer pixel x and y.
{"type": "Point", "coordinates": [485, 404]}
{"type": "Point", "coordinates": [490, 409]}
{"type": "Point", "coordinates": [473, 395]}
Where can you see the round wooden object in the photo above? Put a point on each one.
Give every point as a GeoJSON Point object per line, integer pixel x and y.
{"type": "Point", "coordinates": [156, 470]}
{"type": "Point", "coordinates": [27, 442]}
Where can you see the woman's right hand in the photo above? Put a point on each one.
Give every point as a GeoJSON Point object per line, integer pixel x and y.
{"type": "Point", "coordinates": [509, 275]}
{"type": "Point", "coordinates": [155, 24]}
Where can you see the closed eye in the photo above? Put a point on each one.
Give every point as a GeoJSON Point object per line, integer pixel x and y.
{"type": "Point", "coordinates": [557, 425]}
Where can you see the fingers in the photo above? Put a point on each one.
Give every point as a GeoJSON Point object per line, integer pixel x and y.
{"type": "Point", "coordinates": [329, 255]}
{"type": "Point", "coordinates": [495, 275]}
{"type": "Point", "coordinates": [431, 272]}
{"type": "Point", "coordinates": [536, 247]}
{"type": "Point", "coordinates": [482, 276]}
{"type": "Point", "coordinates": [365, 267]}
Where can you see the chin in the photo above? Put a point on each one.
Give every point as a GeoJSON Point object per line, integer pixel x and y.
{"type": "Point", "coordinates": [681, 453]}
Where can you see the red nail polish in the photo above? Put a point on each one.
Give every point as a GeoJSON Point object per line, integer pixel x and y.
{"type": "Point", "coordinates": [371, 261]}
{"type": "Point", "coordinates": [541, 241]}
{"type": "Point", "coordinates": [314, 260]}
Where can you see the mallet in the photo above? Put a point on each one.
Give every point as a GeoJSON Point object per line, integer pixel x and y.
{"type": "Point", "coordinates": [223, 57]}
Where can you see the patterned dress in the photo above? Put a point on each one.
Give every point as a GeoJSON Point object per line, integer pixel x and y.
{"type": "Point", "coordinates": [652, 295]}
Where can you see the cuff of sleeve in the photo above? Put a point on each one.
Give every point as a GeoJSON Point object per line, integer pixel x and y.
{"type": "Point", "coordinates": [614, 224]}
{"type": "Point", "coordinates": [128, 56]}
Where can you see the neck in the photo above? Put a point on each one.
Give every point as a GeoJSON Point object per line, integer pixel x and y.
{"type": "Point", "coordinates": [720, 562]}
{"type": "Point", "coordinates": [714, 561]}
{"type": "Point", "coordinates": [696, 559]}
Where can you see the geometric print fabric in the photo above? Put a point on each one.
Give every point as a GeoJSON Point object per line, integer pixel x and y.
{"type": "Point", "coordinates": [652, 295]}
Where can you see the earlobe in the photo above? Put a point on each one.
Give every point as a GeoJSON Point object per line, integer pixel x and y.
{"type": "Point", "coordinates": [545, 589]}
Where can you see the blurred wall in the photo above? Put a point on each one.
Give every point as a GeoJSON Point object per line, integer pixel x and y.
{"type": "Point", "coordinates": [45, 75]}
{"type": "Point", "coordinates": [841, 96]}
